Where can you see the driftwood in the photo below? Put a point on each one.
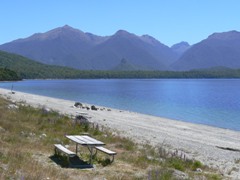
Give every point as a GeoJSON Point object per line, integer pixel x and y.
{"type": "Point", "coordinates": [228, 148]}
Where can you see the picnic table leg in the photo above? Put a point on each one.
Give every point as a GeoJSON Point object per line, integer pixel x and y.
{"type": "Point", "coordinates": [91, 152]}
{"type": "Point", "coordinates": [76, 148]}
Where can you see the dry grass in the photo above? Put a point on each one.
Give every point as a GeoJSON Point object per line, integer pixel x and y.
{"type": "Point", "coordinates": [26, 147]}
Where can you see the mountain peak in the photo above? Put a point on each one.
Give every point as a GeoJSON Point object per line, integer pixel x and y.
{"type": "Point", "coordinates": [180, 44]}
{"type": "Point", "coordinates": [149, 39]}
{"type": "Point", "coordinates": [230, 35]}
{"type": "Point", "coordinates": [123, 33]}
{"type": "Point", "coordinates": [181, 47]}
{"type": "Point", "coordinates": [67, 27]}
{"type": "Point", "coordinates": [64, 31]}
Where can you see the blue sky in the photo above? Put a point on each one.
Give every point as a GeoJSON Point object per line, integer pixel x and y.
{"type": "Point", "coordinates": [169, 21]}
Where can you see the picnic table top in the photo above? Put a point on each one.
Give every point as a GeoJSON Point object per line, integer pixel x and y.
{"type": "Point", "coordinates": [85, 140]}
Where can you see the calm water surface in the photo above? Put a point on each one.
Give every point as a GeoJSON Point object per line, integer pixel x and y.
{"type": "Point", "coordinates": [214, 102]}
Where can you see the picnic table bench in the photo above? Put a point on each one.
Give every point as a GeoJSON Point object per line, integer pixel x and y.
{"type": "Point", "coordinates": [106, 151]}
{"type": "Point", "coordinates": [61, 149]}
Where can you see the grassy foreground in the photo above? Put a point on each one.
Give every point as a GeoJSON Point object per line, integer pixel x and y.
{"type": "Point", "coordinates": [27, 136]}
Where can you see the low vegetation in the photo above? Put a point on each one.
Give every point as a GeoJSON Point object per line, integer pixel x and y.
{"type": "Point", "coordinates": [26, 150]}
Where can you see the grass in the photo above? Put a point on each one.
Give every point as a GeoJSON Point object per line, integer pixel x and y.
{"type": "Point", "coordinates": [26, 147]}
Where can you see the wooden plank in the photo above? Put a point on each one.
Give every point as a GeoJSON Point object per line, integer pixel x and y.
{"type": "Point", "coordinates": [64, 150]}
{"type": "Point", "coordinates": [77, 140]}
{"type": "Point", "coordinates": [105, 150]}
{"type": "Point", "coordinates": [87, 142]}
{"type": "Point", "coordinates": [90, 141]}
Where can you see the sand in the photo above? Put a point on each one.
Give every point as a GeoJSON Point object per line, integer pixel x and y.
{"type": "Point", "coordinates": [215, 147]}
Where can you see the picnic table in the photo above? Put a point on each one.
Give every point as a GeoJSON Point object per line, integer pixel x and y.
{"type": "Point", "coordinates": [87, 141]}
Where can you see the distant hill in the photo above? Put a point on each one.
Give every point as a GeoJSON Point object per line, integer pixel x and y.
{"type": "Point", "coordinates": [180, 48]}
{"type": "Point", "coordinates": [219, 49]}
{"type": "Point", "coordinates": [29, 69]}
{"type": "Point", "coordinates": [71, 47]}
{"type": "Point", "coordinates": [124, 65]}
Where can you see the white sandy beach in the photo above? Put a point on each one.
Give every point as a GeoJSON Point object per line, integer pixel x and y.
{"type": "Point", "coordinates": [196, 141]}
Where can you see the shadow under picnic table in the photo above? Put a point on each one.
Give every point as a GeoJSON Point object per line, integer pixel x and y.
{"type": "Point", "coordinates": [74, 162]}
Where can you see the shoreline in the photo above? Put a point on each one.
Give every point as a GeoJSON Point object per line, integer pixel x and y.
{"type": "Point", "coordinates": [215, 147]}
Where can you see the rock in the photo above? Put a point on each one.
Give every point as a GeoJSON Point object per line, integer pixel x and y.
{"type": "Point", "coordinates": [23, 134]}
{"type": "Point", "coordinates": [199, 170]}
{"type": "Point", "coordinates": [57, 141]}
{"type": "Point", "coordinates": [78, 105]}
{"type": "Point", "coordinates": [45, 110]}
{"type": "Point", "coordinates": [43, 136]}
{"type": "Point", "coordinates": [12, 106]}
{"type": "Point", "coordinates": [94, 108]}
{"type": "Point", "coordinates": [180, 175]}
{"type": "Point", "coordinates": [31, 134]}
{"type": "Point", "coordinates": [81, 119]}
{"type": "Point", "coordinates": [2, 129]}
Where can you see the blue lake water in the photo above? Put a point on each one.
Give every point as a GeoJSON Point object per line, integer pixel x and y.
{"type": "Point", "coordinates": [214, 102]}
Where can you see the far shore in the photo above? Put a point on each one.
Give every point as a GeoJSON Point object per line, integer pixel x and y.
{"type": "Point", "coordinates": [214, 147]}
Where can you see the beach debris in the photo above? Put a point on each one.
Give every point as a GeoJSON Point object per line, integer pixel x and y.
{"type": "Point", "coordinates": [94, 108]}
{"type": "Point", "coordinates": [228, 148]}
{"type": "Point", "coordinates": [78, 105]}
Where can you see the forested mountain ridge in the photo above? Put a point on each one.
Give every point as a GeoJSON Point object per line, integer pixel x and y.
{"type": "Point", "coordinates": [8, 75]}
{"type": "Point", "coordinates": [16, 67]}
{"type": "Point", "coordinates": [28, 69]}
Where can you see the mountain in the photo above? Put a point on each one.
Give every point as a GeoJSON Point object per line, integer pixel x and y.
{"type": "Point", "coordinates": [66, 46]}
{"type": "Point", "coordinates": [63, 46]}
{"type": "Point", "coordinates": [180, 48]}
{"type": "Point", "coordinates": [218, 50]}
{"type": "Point", "coordinates": [136, 49]}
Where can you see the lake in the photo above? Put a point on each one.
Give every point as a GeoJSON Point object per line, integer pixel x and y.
{"type": "Point", "coordinates": [214, 102]}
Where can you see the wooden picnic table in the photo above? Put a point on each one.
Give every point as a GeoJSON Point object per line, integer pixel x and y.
{"type": "Point", "coordinates": [87, 141]}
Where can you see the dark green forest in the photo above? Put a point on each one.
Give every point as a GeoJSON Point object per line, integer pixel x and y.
{"type": "Point", "coordinates": [15, 67]}
{"type": "Point", "coordinates": [8, 75]}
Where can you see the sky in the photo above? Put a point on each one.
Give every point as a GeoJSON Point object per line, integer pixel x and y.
{"type": "Point", "coordinates": [169, 21]}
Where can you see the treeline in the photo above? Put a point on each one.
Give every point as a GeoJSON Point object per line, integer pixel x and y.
{"type": "Point", "coordinates": [223, 73]}
{"type": "Point", "coordinates": [15, 67]}
{"type": "Point", "coordinates": [8, 75]}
